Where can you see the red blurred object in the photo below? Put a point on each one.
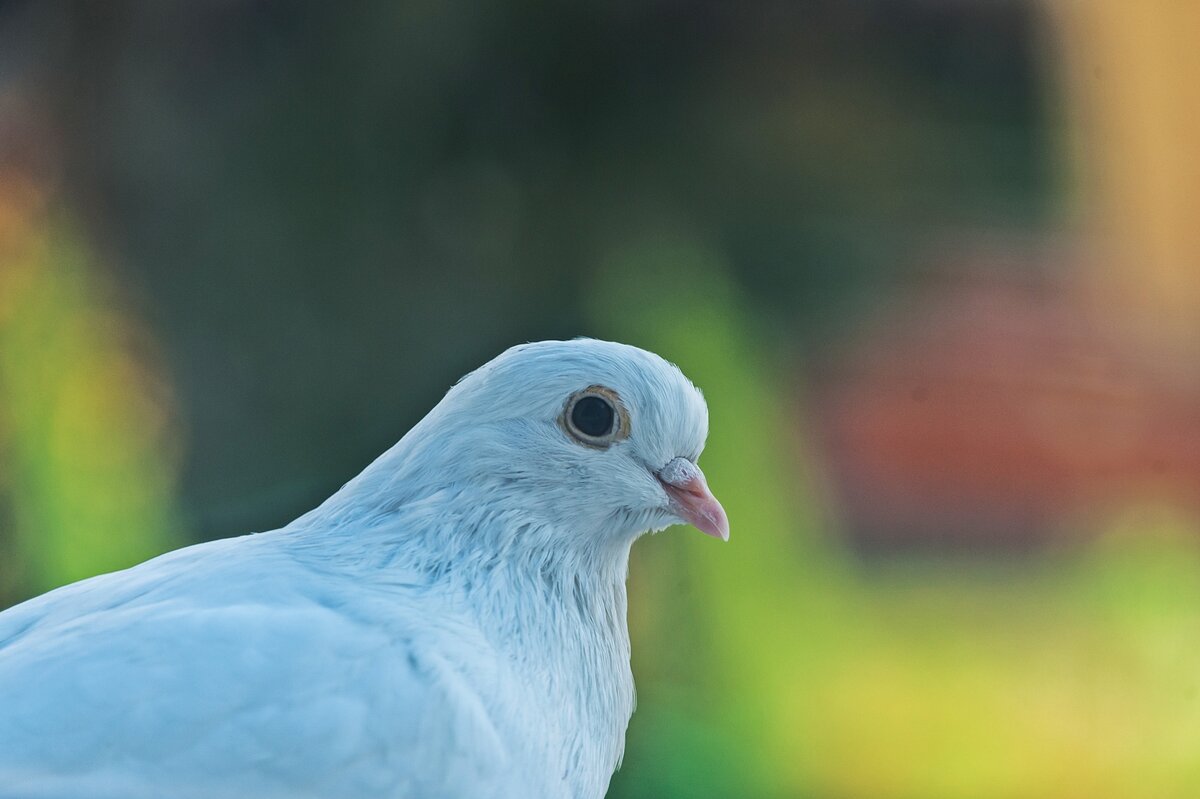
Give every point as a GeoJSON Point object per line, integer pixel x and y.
{"type": "Point", "coordinates": [994, 408]}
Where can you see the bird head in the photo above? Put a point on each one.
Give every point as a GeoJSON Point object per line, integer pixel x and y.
{"type": "Point", "coordinates": [595, 438]}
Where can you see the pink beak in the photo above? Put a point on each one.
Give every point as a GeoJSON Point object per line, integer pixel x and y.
{"type": "Point", "coordinates": [691, 500]}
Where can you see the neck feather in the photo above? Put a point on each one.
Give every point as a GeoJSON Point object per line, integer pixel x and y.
{"type": "Point", "coordinates": [557, 612]}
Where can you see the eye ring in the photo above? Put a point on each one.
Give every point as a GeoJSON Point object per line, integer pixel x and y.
{"type": "Point", "coordinates": [591, 423]}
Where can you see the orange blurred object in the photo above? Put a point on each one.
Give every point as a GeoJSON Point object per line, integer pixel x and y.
{"type": "Point", "coordinates": [999, 409]}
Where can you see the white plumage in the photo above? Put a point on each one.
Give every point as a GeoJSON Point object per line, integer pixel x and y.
{"type": "Point", "coordinates": [451, 623]}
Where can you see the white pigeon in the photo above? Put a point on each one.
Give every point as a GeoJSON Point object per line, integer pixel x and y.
{"type": "Point", "coordinates": [451, 623]}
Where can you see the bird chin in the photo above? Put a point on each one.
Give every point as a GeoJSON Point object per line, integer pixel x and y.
{"type": "Point", "coordinates": [661, 519]}
{"type": "Point", "coordinates": [637, 523]}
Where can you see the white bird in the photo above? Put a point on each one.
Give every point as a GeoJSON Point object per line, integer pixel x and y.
{"type": "Point", "coordinates": [451, 623]}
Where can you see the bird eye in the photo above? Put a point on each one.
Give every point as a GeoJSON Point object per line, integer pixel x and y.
{"type": "Point", "coordinates": [595, 417]}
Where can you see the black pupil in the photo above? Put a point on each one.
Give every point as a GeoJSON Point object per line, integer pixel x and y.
{"type": "Point", "coordinates": [592, 416]}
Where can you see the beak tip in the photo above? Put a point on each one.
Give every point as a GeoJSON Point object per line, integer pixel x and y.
{"type": "Point", "coordinates": [707, 516]}
{"type": "Point", "coordinates": [717, 528]}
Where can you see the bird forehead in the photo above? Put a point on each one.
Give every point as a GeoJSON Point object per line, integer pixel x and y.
{"type": "Point", "coordinates": [538, 379]}
{"type": "Point", "coordinates": [546, 373]}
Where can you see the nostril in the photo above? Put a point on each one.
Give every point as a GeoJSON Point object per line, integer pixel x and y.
{"type": "Point", "coordinates": [679, 472]}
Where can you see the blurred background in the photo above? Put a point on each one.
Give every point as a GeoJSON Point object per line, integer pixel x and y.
{"type": "Point", "coordinates": [935, 263]}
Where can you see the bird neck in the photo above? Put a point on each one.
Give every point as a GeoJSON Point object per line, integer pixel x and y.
{"type": "Point", "coordinates": [553, 603]}
{"type": "Point", "coordinates": [427, 508]}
